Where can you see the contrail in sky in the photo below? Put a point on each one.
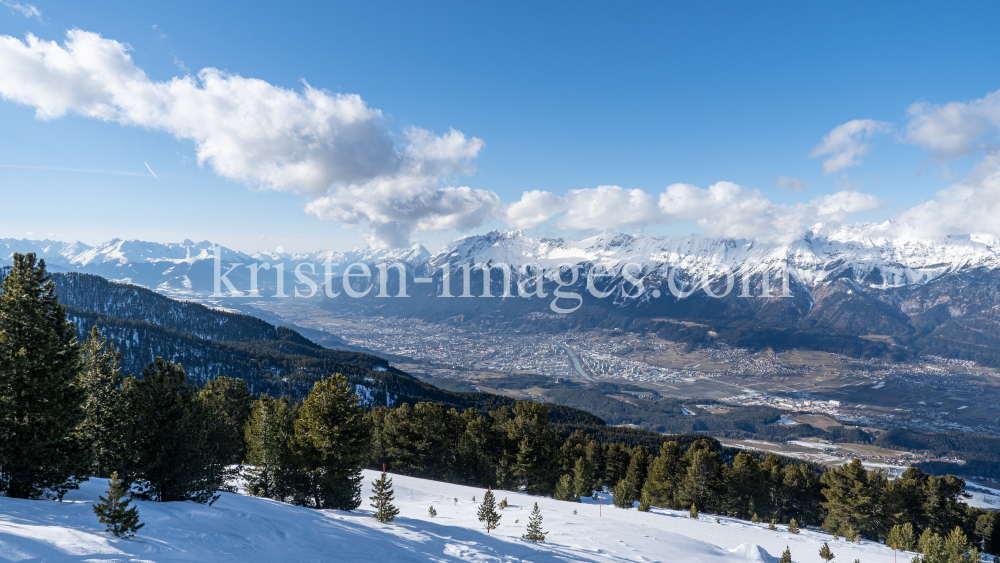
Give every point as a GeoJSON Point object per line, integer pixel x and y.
{"type": "Point", "coordinates": [151, 172]}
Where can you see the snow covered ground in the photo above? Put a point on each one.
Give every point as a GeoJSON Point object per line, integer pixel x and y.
{"type": "Point", "coordinates": [240, 528]}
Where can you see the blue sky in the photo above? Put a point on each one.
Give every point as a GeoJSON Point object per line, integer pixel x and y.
{"type": "Point", "coordinates": [564, 96]}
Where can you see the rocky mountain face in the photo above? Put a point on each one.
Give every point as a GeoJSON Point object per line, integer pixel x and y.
{"type": "Point", "coordinates": [844, 291]}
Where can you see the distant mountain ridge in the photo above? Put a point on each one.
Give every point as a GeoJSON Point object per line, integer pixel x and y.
{"type": "Point", "coordinates": [851, 289]}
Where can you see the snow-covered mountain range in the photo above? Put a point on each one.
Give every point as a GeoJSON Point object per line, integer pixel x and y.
{"type": "Point", "coordinates": [812, 260]}
{"type": "Point", "coordinates": [851, 290]}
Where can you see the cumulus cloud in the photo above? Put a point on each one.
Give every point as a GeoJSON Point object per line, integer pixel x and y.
{"type": "Point", "coordinates": [846, 142]}
{"type": "Point", "coordinates": [954, 129]}
{"type": "Point", "coordinates": [332, 148]}
{"type": "Point", "coordinates": [724, 209]}
{"type": "Point", "coordinates": [789, 184]}
{"type": "Point", "coordinates": [967, 207]}
{"type": "Point", "coordinates": [608, 208]}
{"type": "Point", "coordinates": [534, 208]}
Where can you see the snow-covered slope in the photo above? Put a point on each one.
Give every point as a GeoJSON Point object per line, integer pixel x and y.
{"type": "Point", "coordinates": [238, 528]}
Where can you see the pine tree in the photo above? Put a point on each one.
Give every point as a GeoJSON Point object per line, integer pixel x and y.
{"type": "Point", "coordinates": [644, 503]}
{"type": "Point", "coordinates": [793, 526]}
{"type": "Point", "coordinates": [503, 503]}
{"type": "Point", "coordinates": [623, 495]}
{"type": "Point", "coordinates": [786, 556]}
{"type": "Point", "coordinates": [694, 512]}
{"type": "Point", "coordinates": [102, 380]}
{"type": "Point", "coordinates": [487, 513]}
{"type": "Point", "coordinates": [663, 484]}
{"type": "Point", "coordinates": [121, 519]}
{"type": "Point", "coordinates": [269, 430]}
{"type": "Point", "coordinates": [754, 519]}
{"type": "Point", "coordinates": [825, 553]}
{"type": "Point", "coordinates": [43, 450]}
{"type": "Point", "coordinates": [583, 477]}
{"type": "Point", "coordinates": [231, 399]}
{"type": "Point", "coordinates": [959, 549]}
{"type": "Point", "coordinates": [771, 525]}
{"type": "Point", "coordinates": [329, 446]}
{"type": "Point", "coordinates": [173, 455]}
{"type": "Point", "coordinates": [984, 527]}
{"type": "Point", "coordinates": [385, 512]}
{"type": "Point", "coordinates": [901, 537]}
{"type": "Point", "coordinates": [537, 447]}
{"type": "Point", "coordinates": [432, 512]}
{"type": "Point", "coordinates": [565, 489]}
{"type": "Point", "coordinates": [535, 533]}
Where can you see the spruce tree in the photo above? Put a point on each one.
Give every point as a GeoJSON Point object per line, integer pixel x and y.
{"type": "Point", "coordinates": [771, 526]}
{"type": "Point", "coordinates": [121, 519]}
{"type": "Point", "coordinates": [786, 556]}
{"type": "Point", "coordinates": [793, 526]}
{"type": "Point", "coordinates": [385, 512]}
{"type": "Point", "coordinates": [432, 512]}
{"type": "Point", "coordinates": [43, 450]}
{"type": "Point", "coordinates": [269, 430]}
{"type": "Point", "coordinates": [535, 533]}
{"type": "Point", "coordinates": [487, 512]}
{"type": "Point", "coordinates": [104, 426]}
{"type": "Point", "coordinates": [825, 553]}
{"type": "Point", "coordinates": [754, 519]}
{"type": "Point", "coordinates": [329, 446]}
{"type": "Point", "coordinates": [694, 512]}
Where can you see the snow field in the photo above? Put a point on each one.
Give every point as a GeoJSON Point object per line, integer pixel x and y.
{"type": "Point", "coordinates": [241, 528]}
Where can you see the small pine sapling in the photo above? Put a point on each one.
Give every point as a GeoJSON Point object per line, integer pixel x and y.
{"type": "Point", "coordinates": [574, 512]}
{"type": "Point", "coordinates": [456, 501]}
{"type": "Point", "coordinates": [771, 526]}
{"type": "Point", "coordinates": [718, 521]}
{"type": "Point", "coordinates": [121, 519]}
{"type": "Point", "coordinates": [644, 503]}
{"type": "Point", "coordinates": [535, 533]}
{"type": "Point", "coordinates": [786, 556]}
{"type": "Point", "coordinates": [694, 512]}
{"type": "Point", "coordinates": [488, 512]}
{"type": "Point", "coordinates": [432, 512]}
{"type": "Point", "coordinates": [473, 498]}
{"type": "Point", "coordinates": [825, 553]}
{"type": "Point", "coordinates": [385, 512]}
{"type": "Point", "coordinates": [754, 519]}
{"type": "Point", "coordinates": [503, 503]}
{"type": "Point", "coordinates": [793, 526]}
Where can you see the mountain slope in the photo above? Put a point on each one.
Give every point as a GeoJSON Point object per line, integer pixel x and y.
{"type": "Point", "coordinates": [241, 528]}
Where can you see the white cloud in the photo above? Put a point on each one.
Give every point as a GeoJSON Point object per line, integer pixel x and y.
{"type": "Point", "coordinates": [608, 208]}
{"type": "Point", "coordinates": [789, 184]}
{"type": "Point", "coordinates": [967, 207]}
{"type": "Point", "coordinates": [534, 208]}
{"type": "Point", "coordinates": [953, 129]}
{"type": "Point", "coordinates": [26, 10]}
{"type": "Point", "coordinates": [332, 148]}
{"type": "Point", "coordinates": [846, 142]}
{"type": "Point", "coordinates": [724, 209]}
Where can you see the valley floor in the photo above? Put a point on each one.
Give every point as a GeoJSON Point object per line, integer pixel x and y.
{"type": "Point", "coordinates": [241, 528]}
